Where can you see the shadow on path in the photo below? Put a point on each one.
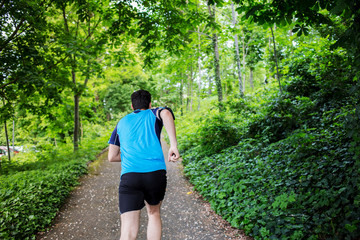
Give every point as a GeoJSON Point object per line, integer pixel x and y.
{"type": "Point", "coordinates": [91, 212]}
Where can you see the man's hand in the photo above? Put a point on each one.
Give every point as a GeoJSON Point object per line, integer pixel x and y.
{"type": "Point", "coordinates": [174, 154]}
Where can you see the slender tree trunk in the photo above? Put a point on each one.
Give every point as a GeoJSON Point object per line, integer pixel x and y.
{"type": "Point", "coordinates": [237, 55]}
{"type": "Point", "coordinates": [76, 122]}
{"type": "Point", "coordinates": [191, 86]}
{"type": "Point", "coordinates": [7, 141]}
{"type": "Point", "coordinates": [76, 94]}
{"type": "Point", "coordinates": [181, 95]}
{"type": "Point", "coordinates": [216, 58]}
{"type": "Point", "coordinates": [199, 66]}
{"type": "Point", "coordinates": [276, 60]}
{"type": "Point", "coordinates": [251, 78]}
{"type": "Point", "coordinates": [244, 62]}
{"type": "Point", "coordinates": [267, 65]}
{"type": "Point", "coordinates": [76, 111]}
{"type": "Point", "coordinates": [217, 69]}
{"type": "Point", "coordinates": [13, 136]}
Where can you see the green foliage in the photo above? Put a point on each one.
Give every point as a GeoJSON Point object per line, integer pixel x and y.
{"type": "Point", "coordinates": [325, 76]}
{"type": "Point", "coordinates": [34, 186]}
{"type": "Point", "coordinates": [216, 133]}
{"type": "Point", "coordinates": [281, 118]}
{"type": "Point", "coordinates": [301, 187]}
{"type": "Point", "coordinates": [295, 172]}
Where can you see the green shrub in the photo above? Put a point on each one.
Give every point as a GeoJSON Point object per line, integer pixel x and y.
{"type": "Point", "coordinates": [281, 117]}
{"type": "Point", "coordinates": [35, 184]}
{"type": "Point", "coordinates": [216, 133]}
{"type": "Point", "coordinates": [302, 187]}
{"type": "Point", "coordinates": [295, 172]}
{"type": "Point", "coordinates": [31, 199]}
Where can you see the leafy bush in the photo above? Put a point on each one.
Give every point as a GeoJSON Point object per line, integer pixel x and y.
{"type": "Point", "coordinates": [281, 117]}
{"type": "Point", "coordinates": [35, 184]}
{"type": "Point", "coordinates": [215, 134]}
{"type": "Point", "coordinates": [302, 187]}
{"type": "Point", "coordinates": [325, 77]}
{"type": "Point", "coordinates": [31, 199]}
{"type": "Point", "coordinates": [295, 172]}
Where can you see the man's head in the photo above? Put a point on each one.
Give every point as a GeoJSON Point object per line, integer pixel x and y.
{"type": "Point", "coordinates": [141, 99]}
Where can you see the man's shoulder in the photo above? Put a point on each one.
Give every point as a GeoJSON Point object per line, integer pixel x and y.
{"type": "Point", "coordinates": [124, 118]}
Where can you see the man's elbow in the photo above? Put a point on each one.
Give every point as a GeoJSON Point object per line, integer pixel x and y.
{"type": "Point", "coordinates": [112, 158]}
{"type": "Point", "coordinates": [114, 153]}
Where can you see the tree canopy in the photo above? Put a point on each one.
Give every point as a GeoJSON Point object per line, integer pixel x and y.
{"type": "Point", "coordinates": [267, 94]}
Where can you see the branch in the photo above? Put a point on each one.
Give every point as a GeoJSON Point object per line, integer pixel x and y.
{"type": "Point", "coordinates": [92, 30]}
{"type": "Point", "coordinates": [4, 85]}
{"type": "Point", "coordinates": [65, 20]}
{"type": "Point", "coordinates": [13, 34]}
{"type": "Point", "coordinates": [54, 65]}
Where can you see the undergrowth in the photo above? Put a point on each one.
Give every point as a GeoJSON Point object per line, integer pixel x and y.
{"type": "Point", "coordinates": [283, 166]}
{"type": "Point", "coordinates": [34, 185]}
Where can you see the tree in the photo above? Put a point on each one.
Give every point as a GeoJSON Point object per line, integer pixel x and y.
{"type": "Point", "coordinates": [310, 13]}
{"type": "Point", "coordinates": [237, 55]}
{"type": "Point", "coordinates": [29, 70]}
{"type": "Point", "coordinates": [81, 41]}
{"type": "Point", "coordinates": [212, 10]}
{"type": "Point", "coordinates": [276, 59]}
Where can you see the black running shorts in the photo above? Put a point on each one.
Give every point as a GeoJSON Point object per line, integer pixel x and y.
{"type": "Point", "coordinates": [135, 188]}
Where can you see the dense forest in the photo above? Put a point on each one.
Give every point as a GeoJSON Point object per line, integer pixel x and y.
{"type": "Point", "coordinates": [266, 95]}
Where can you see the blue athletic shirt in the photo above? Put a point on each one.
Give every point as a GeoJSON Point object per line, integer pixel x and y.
{"type": "Point", "coordinates": [138, 135]}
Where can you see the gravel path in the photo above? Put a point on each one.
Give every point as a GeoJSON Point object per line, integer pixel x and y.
{"type": "Point", "coordinates": [91, 212]}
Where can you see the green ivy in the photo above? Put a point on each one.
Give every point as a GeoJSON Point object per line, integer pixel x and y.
{"type": "Point", "coordinates": [295, 172]}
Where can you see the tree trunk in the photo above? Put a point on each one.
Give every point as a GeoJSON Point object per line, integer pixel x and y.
{"type": "Point", "coordinates": [251, 79]}
{"type": "Point", "coordinates": [181, 95]}
{"type": "Point", "coordinates": [7, 141]}
{"type": "Point", "coordinates": [76, 122]}
{"type": "Point", "coordinates": [76, 93]}
{"type": "Point", "coordinates": [276, 60]}
{"type": "Point", "coordinates": [216, 58]}
{"type": "Point", "coordinates": [237, 55]}
{"type": "Point", "coordinates": [244, 62]}
{"type": "Point", "coordinates": [13, 136]}
{"type": "Point", "coordinates": [191, 87]}
{"type": "Point", "coordinates": [76, 110]}
{"type": "Point", "coordinates": [199, 66]}
{"type": "Point", "coordinates": [217, 68]}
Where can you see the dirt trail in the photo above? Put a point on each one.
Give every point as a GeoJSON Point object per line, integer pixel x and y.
{"type": "Point", "coordinates": [91, 212]}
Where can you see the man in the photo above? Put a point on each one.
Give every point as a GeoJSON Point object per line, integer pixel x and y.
{"type": "Point", "coordinates": [143, 171]}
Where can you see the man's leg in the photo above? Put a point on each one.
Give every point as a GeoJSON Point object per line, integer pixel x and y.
{"type": "Point", "coordinates": [130, 222]}
{"type": "Point", "coordinates": [154, 224]}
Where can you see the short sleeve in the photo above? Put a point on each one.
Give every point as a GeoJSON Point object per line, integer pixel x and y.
{"type": "Point", "coordinates": [114, 139]}
{"type": "Point", "coordinates": [160, 109]}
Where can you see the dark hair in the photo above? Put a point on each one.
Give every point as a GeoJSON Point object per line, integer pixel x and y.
{"type": "Point", "coordinates": [140, 99]}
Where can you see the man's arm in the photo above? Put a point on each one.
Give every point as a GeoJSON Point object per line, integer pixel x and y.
{"type": "Point", "coordinates": [114, 153]}
{"type": "Point", "coordinates": [169, 125]}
